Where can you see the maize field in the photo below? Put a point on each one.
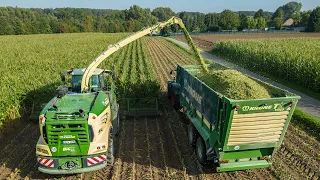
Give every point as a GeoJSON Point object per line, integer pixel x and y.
{"type": "Point", "coordinates": [147, 147]}
{"type": "Point", "coordinates": [295, 60]}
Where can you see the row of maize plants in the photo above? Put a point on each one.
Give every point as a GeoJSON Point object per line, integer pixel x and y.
{"type": "Point", "coordinates": [134, 72]}
{"type": "Point", "coordinates": [30, 67]}
{"type": "Point", "coordinates": [295, 59]}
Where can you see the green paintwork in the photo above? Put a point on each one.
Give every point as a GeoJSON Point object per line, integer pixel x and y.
{"type": "Point", "coordinates": [243, 165]}
{"type": "Point", "coordinates": [100, 104]}
{"type": "Point", "coordinates": [65, 125]}
{"type": "Point", "coordinates": [218, 110]}
{"type": "Point", "coordinates": [71, 103]}
{"type": "Point", "coordinates": [70, 131]}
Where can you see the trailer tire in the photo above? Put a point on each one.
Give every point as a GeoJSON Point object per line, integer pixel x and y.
{"type": "Point", "coordinates": [111, 148]}
{"type": "Point", "coordinates": [192, 134]}
{"type": "Point", "coordinates": [201, 150]}
{"type": "Point", "coordinates": [175, 101]}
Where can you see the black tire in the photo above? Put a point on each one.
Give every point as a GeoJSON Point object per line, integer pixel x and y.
{"type": "Point", "coordinates": [192, 134]}
{"type": "Point", "coordinates": [201, 151]}
{"type": "Point", "coordinates": [111, 148]}
{"type": "Point", "coordinates": [175, 101]}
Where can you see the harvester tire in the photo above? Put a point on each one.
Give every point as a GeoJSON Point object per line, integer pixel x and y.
{"type": "Point", "coordinates": [111, 148]}
{"type": "Point", "coordinates": [175, 101]}
{"type": "Point", "coordinates": [192, 134]}
{"type": "Point", "coordinates": [201, 151]}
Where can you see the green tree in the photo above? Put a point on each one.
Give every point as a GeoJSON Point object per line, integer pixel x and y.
{"type": "Point", "coordinates": [305, 18]}
{"type": "Point", "coordinates": [3, 24]}
{"type": "Point", "coordinates": [18, 26]}
{"type": "Point", "coordinates": [278, 14]}
{"type": "Point", "coordinates": [259, 13]}
{"type": "Point", "coordinates": [211, 21]}
{"type": "Point", "coordinates": [64, 28]}
{"type": "Point", "coordinates": [314, 20]}
{"type": "Point", "coordinates": [261, 23]}
{"type": "Point", "coordinates": [88, 24]}
{"type": "Point", "coordinates": [229, 20]}
{"type": "Point", "coordinates": [9, 29]}
{"type": "Point", "coordinates": [291, 8]}
{"type": "Point", "coordinates": [54, 24]}
{"type": "Point", "coordinates": [278, 23]}
{"type": "Point", "coordinates": [162, 13]}
{"type": "Point", "coordinates": [278, 18]}
{"type": "Point", "coordinates": [296, 18]}
{"type": "Point", "coordinates": [252, 23]}
{"type": "Point", "coordinates": [44, 26]}
{"type": "Point", "coordinates": [243, 22]}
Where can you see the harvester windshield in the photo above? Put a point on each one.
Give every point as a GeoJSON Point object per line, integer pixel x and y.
{"type": "Point", "coordinates": [76, 82]}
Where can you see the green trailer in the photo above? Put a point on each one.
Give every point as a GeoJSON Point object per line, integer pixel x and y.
{"type": "Point", "coordinates": [231, 134]}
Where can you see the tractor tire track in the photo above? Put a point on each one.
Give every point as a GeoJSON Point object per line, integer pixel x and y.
{"type": "Point", "coordinates": [126, 152]}
{"type": "Point", "coordinates": [116, 174]}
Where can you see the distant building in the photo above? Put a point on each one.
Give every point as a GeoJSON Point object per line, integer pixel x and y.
{"type": "Point", "coordinates": [289, 22]}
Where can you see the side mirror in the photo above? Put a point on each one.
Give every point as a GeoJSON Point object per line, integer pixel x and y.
{"type": "Point", "coordinates": [63, 78]}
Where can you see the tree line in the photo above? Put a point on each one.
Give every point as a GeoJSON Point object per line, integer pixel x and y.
{"type": "Point", "coordinates": [14, 20]}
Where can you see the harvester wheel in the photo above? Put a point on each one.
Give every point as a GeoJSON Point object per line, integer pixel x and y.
{"type": "Point", "coordinates": [201, 150]}
{"type": "Point", "coordinates": [175, 101]}
{"type": "Point", "coordinates": [111, 148]}
{"type": "Point", "coordinates": [192, 134]}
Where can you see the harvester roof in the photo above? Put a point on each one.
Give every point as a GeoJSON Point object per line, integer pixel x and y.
{"type": "Point", "coordinates": [97, 71]}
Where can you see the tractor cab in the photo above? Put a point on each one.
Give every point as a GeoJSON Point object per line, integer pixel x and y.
{"type": "Point", "coordinates": [101, 79]}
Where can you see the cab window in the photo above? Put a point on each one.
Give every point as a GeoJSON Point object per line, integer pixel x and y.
{"type": "Point", "coordinates": [76, 83]}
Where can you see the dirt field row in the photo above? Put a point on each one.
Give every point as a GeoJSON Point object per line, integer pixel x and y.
{"type": "Point", "coordinates": [157, 148]}
{"type": "Point", "coordinates": [206, 41]}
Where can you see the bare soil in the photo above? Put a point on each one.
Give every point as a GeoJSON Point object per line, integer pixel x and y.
{"type": "Point", "coordinates": [206, 41]}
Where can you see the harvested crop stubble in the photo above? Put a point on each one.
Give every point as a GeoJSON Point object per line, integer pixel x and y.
{"type": "Point", "coordinates": [234, 84]}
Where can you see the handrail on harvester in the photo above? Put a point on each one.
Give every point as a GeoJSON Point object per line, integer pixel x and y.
{"type": "Point", "coordinates": [115, 47]}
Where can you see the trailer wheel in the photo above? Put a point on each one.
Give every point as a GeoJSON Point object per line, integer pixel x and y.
{"type": "Point", "coordinates": [175, 101]}
{"type": "Point", "coordinates": [111, 148]}
{"type": "Point", "coordinates": [201, 150]}
{"type": "Point", "coordinates": [192, 134]}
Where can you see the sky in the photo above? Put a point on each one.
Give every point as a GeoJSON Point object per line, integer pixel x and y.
{"type": "Point", "coordinates": [203, 6]}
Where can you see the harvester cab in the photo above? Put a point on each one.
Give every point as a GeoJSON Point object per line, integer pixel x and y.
{"type": "Point", "coordinates": [101, 79]}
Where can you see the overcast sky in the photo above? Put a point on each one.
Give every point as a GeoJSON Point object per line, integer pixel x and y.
{"type": "Point", "coordinates": [204, 6]}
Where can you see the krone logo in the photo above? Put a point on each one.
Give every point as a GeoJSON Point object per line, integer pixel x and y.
{"type": "Point", "coordinates": [245, 108]}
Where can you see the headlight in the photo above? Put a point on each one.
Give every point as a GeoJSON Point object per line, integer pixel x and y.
{"type": "Point", "coordinates": [42, 119]}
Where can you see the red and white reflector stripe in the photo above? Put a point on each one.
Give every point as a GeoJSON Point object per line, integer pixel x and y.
{"type": "Point", "coordinates": [95, 160]}
{"type": "Point", "coordinates": [46, 162]}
